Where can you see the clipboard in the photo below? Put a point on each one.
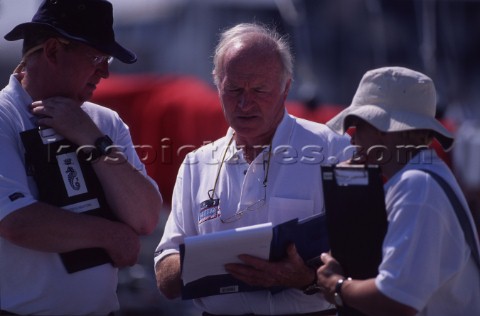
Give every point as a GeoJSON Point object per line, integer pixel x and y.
{"type": "Point", "coordinates": [356, 217]}
{"type": "Point", "coordinates": [65, 181]}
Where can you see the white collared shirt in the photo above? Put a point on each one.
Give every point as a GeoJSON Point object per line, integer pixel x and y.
{"type": "Point", "coordinates": [294, 190]}
{"type": "Point", "coordinates": [426, 262]}
{"type": "Point", "coordinates": [35, 282]}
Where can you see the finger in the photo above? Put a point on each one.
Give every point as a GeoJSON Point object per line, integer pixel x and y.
{"type": "Point", "coordinates": [36, 104]}
{"type": "Point", "coordinates": [39, 109]}
{"type": "Point", "coordinates": [292, 250]}
{"type": "Point", "coordinates": [254, 278]}
{"type": "Point", "coordinates": [325, 257]}
{"type": "Point", "coordinates": [293, 254]}
{"type": "Point", "coordinates": [239, 272]}
{"type": "Point", "coordinates": [257, 263]}
{"type": "Point", "coordinates": [238, 269]}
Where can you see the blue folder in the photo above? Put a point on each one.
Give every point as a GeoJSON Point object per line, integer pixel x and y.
{"type": "Point", "coordinates": [309, 235]}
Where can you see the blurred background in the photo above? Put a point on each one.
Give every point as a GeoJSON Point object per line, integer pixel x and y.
{"type": "Point", "coordinates": [168, 99]}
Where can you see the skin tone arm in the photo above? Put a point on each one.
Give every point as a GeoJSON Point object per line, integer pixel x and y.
{"type": "Point", "coordinates": [362, 295]}
{"type": "Point", "coordinates": [132, 197]}
{"type": "Point", "coordinates": [44, 227]}
{"type": "Point", "coordinates": [167, 273]}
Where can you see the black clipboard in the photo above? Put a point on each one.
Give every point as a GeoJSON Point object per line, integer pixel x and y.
{"type": "Point", "coordinates": [356, 219]}
{"type": "Point", "coordinates": [68, 181]}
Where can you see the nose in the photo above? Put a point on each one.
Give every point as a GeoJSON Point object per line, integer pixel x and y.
{"type": "Point", "coordinates": [244, 101]}
{"type": "Point", "coordinates": [103, 70]}
{"type": "Point", "coordinates": [352, 138]}
{"type": "Point", "coordinates": [352, 131]}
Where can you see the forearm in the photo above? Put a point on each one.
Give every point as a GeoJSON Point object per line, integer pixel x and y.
{"type": "Point", "coordinates": [364, 296]}
{"type": "Point", "coordinates": [43, 227]}
{"type": "Point", "coordinates": [129, 193]}
{"type": "Point", "coordinates": [167, 273]}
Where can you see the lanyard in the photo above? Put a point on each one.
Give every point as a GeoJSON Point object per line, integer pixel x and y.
{"type": "Point", "coordinates": [211, 192]}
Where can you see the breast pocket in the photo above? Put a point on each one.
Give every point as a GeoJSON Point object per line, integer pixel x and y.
{"type": "Point", "coordinates": [284, 209]}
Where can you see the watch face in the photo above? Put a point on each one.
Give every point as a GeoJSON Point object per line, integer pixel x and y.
{"type": "Point", "coordinates": [102, 144]}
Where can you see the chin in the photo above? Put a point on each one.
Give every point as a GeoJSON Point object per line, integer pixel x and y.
{"type": "Point", "coordinates": [246, 131]}
{"type": "Point", "coordinates": [85, 97]}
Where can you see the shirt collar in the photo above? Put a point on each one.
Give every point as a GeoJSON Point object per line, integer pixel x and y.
{"type": "Point", "coordinates": [15, 88]}
{"type": "Point", "coordinates": [281, 137]}
{"type": "Point", "coordinates": [21, 97]}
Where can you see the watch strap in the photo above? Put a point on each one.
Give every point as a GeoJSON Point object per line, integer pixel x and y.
{"type": "Point", "coordinates": [338, 291]}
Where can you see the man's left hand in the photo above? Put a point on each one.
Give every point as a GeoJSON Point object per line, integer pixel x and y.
{"type": "Point", "coordinates": [290, 272]}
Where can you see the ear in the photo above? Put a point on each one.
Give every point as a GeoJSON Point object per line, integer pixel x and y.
{"type": "Point", "coordinates": [50, 49]}
{"type": "Point", "coordinates": [287, 88]}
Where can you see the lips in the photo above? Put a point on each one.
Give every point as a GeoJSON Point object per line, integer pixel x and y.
{"type": "Point", "coordinates": [244, 116]}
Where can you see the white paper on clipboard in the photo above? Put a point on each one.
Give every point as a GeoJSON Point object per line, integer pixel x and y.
{"type": "Point", "coordinates": [351, 176]}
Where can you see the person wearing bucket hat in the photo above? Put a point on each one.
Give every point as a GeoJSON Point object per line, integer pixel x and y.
{"type": "Point", "coordinates": [56, 260]}
{"type": "Point", "coordinates": [430, 260]}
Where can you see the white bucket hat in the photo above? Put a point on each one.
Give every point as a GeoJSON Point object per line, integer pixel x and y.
{"type": "Point", "coordinates": [394, 99]}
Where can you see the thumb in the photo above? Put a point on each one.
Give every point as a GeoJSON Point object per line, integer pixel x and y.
{"type": "Point", "coordinates": [325, 257]}
{"type": "Point", "coordinates": [292, 251]}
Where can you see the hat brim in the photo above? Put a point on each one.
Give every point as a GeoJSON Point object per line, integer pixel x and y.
{"type": "Point", "coordinates": [112, 49]}
{"type": "Point", "coordinates": [393, 121]}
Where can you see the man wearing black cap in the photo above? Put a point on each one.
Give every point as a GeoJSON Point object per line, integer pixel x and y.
{"type": "Point", "coordinates": [55, 260]}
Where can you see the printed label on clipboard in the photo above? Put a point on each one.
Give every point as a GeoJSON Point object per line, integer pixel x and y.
{"type": "Point", "coordinates": [351, 176]}
{"type": "Point", "coordinates": [72, 174]}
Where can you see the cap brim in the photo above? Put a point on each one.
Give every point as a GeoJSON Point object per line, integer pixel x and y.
{"type": "Point", "coordinates": [19, 31]}
{"type": "Point", "coordinates": [390, 122]}
{"type": "Point", "coordinates": [113, 49]}
{"type": "Point", "coordinates": [117, 51]}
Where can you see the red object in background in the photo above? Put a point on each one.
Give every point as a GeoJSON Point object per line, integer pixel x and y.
{"type": "Point", "coordinates": [167, 116]}
{"type": "Point", "coordinates": [170, 116]}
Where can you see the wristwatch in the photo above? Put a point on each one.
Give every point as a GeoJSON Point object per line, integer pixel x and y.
{"type": "Point", "coordinates": [313, 287]}
{"type": "Point", "coordinates": [103, 145]}
{"type": "Point", "coordinates": [338, 292]}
